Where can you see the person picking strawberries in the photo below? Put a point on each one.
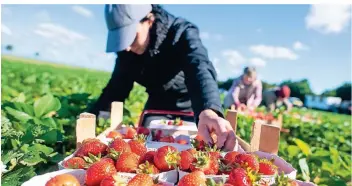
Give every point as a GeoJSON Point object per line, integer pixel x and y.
{"type": "Point", "coordinates": [275, 97]}
{"type": "Point", "coordinates": [245, 92]}
{"type": "Point", "coordinates": [164, 54]}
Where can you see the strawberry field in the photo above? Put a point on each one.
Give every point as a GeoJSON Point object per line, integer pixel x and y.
{"type": "Point", "coordinates": [41, 101]}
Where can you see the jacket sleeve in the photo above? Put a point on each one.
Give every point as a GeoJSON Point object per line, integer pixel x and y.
{"type": "Point", "coordinates": [117, 88]}
{"type": "Point", "coordinates": [235, 92]}
{"type": "Point", "coordinates": [200, 74]}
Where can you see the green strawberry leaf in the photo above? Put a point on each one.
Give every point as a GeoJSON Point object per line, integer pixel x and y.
{"type": "Point", "coordinates": [46, 104]}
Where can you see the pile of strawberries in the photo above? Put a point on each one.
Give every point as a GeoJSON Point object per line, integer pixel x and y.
{"type": "Point", "coordinates": [102, 161]}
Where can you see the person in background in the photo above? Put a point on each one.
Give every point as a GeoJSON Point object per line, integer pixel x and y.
{"type": "Point", "coordinates": [165, 54]}
{"type": "Point", "coordinates": [276, 97]}
{"type": "Point", "coordinates": [245, 92]}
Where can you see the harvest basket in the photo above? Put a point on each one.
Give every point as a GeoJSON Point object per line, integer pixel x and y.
{"type": "Point", "coordinates": [264, 141]}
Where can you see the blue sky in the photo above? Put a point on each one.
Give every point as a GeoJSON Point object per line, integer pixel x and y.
{"type": "Point", "coordinates": [283, 41]}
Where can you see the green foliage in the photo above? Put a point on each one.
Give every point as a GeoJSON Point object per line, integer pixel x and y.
{"type": "Point", "coordinates": [40, 104]}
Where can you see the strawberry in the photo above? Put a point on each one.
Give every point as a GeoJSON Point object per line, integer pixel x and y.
{"type": "Point", "coordinates": [130, 133]}
{"type": "Point", "coordinates": [114, 134]}
{"type": "Point", "coordinates": [186, 160]}
{"type": "Point", "coordinates": [167, 139]}
{"type": "Point", "coordinates": [113, 180]}
{"type": "Point", "coordinates": [141, 179]}
{"type": "Point", "coordinates": [213, 151]}
{"type": "Point", "coordinates": [196, 178]}
{"type": "Point", "coordinates": [127, 162]}
{"type": "Point", "coordinates": [149, 156]}
{"type": "Point", "coordinates": [92, 146]}
{"type": "Point", "coordinates": [170, 123]}
{"type": "Point", "coordinates": [143, 130]}
{"type": "Point", "coordinates": [118, 146]}
{"type": "Point", "coordinates": [166, 158]}
{"type": "Point", "coordinates": [75, 163]}
{"type": "Point", "coordinates": [230, 157]}
{"type": "Point", "coordinates": [98, 171]}
{"type": "Point", "coordinates": [182, 142]}
{"type": "Point", "coordinates": [192, 151]}
{"type": "Point", "coordinates": [158, 135]}
{"type": "Point", "coordinates": [198, 143]}
{"type": "Point", "coordinates": [247, 160]}
{"type": "Point", "coordinates": [147, 168]}
{"type": "Point", "coordinates": [267, 167]}
{"type": "Point", "coordinates": [205, 163]}
{"type": "Point", "coordinates": [137, 145]}
{"type": "Point", "coordinates": [239, 177]}
{"type": "Point", "coordinates": [224, 168]}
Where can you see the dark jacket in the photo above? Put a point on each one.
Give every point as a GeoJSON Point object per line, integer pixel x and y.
{"type": "Point", "coordinates": [175, 70]}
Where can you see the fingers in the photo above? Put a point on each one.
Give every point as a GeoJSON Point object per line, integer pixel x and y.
{"type": "Point", "coordinates": [205, 134]}
{"type": "Point", "coordinates": [221, 131]}
{"type": "Point", "coordinates": [231, 141]}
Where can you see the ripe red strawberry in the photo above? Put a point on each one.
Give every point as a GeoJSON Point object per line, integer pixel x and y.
{"type": "Point", "coordinates": [149, 156]}
{"type": "Point", "coordinates": [75, 163]}
{"type": "Point", "coordinates": [213, 151]}
{"type": "Point", "coordinates": [137, 145]}
{"type": "Point", "coordinates": [130, 133]}
{"type": "Point", "coordinates": [196, 178]}
{"type": "Point", "coordinates": [98, 171]}
{"type": "Point", "coordinates": [127, 162]}
{"type": "Point", "coordinates": [198, 143]}
{"type": "Point", "coordinates": [248, 160]}
{"type": "Point", "coordinates": [167, 139]}
{"type": "Point", "coordinates": [158, 135]}
{"type": "Point", "coordinates": [118, 146]}
{"type": "Point", "coordinates": [113, 180]}
{"type": "Point", "coordinates": [141, 179]}
{"type": "Point", "coordinates": [92, 146]}
{"type": "Point", "coordinates": [230, 157]}
{"type": "Point", "coordinates": [225, 168]}
{"type": "Point", "coordinates": [143, 130]}
{"type": "Point", "coordinates": [186, 160]}
{"type": "Point", "coordinates": [166, 158]}
{"type": "Point", "coordinates": [170, 123]}
{"type": "Point", "coordinates": [239, 177]}
{"type": "Point", "coordinates": [192, 151]}
{"type": "Point", "coordinates": [114, 134]}
{"type": "Point", "coordinates": [182, 142]}
{"type": "Point", "coordinates": [147, 168]}
{"type": "Point", "coordinates": [205, 163]}
{"type": "Point", "coordinates": [267, 167]}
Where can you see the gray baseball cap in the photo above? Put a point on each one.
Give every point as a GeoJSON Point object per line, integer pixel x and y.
{"type": "Point", "coordinates": [122, 21]}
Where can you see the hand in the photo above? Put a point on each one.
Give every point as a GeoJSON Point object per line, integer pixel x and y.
{"type": "Point", "coordinates": [210, 122]}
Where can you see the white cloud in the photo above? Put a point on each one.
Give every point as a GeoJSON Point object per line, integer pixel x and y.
{"type": "Point", "coordinates": [204, 35]}
{"type": "Point", "coordinates": [328, 18]}
{"type": "Point", "coordinates": [299, 46]}
{"type": "Point", "coordinates": [5, 29]}
{"type": "Point", "coordinates": [59, 33]}
{"type": "Point", "coordinates": [82, 11]}
{"type": "Point", "coordinates": [43, 16]}
{"type": "Point", "coordinates": [233, 57]}
{"type": "Point", "coordinates": [207, 35]}
{"type": "Point", "coordinates": [258, 62]}
{"type": "Point", "coordinates": [273, 52]}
